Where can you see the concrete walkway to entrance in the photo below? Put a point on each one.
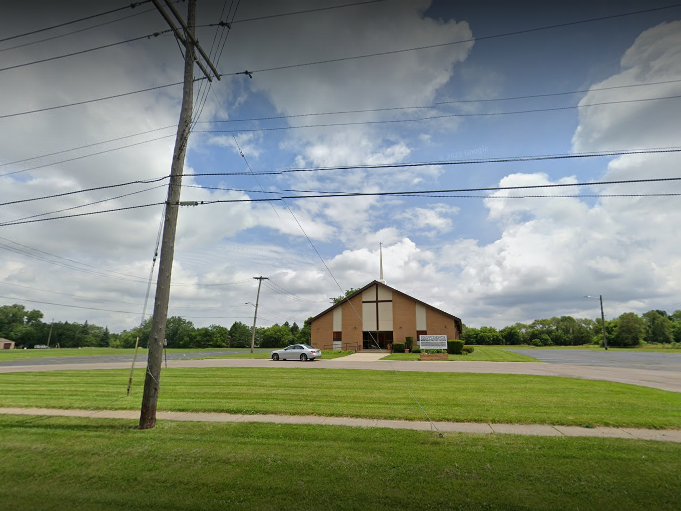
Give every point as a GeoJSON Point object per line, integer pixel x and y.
{"type": "Point", "coordinates": [371, 356]}
{"type": "Point", "coordinates": [444, 427]}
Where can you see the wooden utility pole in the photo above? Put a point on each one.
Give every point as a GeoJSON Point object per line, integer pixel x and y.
{"type": "Point", "coordinates": [255, 316]}
{"type": "Point", "coordinates": [605, 339]}
{"type": "Point", "coordinates": [49, 336]}
{"type": "Point", "coordinates": [157, 336]}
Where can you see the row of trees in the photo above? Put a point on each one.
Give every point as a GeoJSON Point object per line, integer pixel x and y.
{"type": "Point", "coordinates": [26, 328]}
{"type": "Point", "coordinates": [629, 329]}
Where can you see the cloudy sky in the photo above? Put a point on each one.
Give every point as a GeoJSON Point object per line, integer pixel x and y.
{"type": "Point", "coordinates": [480, 81]}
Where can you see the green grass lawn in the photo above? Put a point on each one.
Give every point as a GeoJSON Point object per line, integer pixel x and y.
{"type": "Point", "coordinates": [496, 398]}
{"type": "Point", "coordinates": [97, 465]}
{"type": "Point", "coordinates": [481, 354]}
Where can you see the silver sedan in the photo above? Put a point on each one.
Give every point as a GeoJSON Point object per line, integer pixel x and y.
{"type": "Point", "coordinates": [301, 352]}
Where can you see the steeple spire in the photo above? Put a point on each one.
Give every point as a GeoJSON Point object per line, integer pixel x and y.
{"type": "Point", "coordinates": [380, 250]}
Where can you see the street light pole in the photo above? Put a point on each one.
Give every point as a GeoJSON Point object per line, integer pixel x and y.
{"type": "Point", "coordinates": [605, 340]}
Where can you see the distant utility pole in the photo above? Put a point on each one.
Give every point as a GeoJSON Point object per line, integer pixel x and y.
{"type": "Point", "coordinates": [155, 356]}
{"type": "Point", "coordinates": [255, 316]}
{"type": "Point", "coordinates": [605, 339]}
{"type": "Point", "coordinates": [49, 336]}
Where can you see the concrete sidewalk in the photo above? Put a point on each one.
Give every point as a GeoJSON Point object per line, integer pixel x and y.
{"type": "Point", "coordinates": [668, 435]}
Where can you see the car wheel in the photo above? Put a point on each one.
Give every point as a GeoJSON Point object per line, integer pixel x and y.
{"type": "Point", "coordinates": [303, 357]}
{"type": "Point", "coordinates": [275, 357]}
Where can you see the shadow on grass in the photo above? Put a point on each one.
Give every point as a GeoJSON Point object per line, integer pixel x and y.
{"type": "Point", "coordinates": [48, 422]}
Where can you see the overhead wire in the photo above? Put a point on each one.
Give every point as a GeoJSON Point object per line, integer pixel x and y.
{"type": "Point", "coordinates": [88, 268]}
{"type": "Point", "coordinates": [306, 11]}
{"type": "Point", "coordinates": [451, 43]}
{"type": "Point", "coordinates": [478, 161]}
{"type": "Point", "coordinates": [92, 189]}
{"type": "Point", "coordinates": [449, 102]}
{"type": "Point", "coordinates": [77, 158]}
{"type": "Point", "coordinates": [91, 27]}
{"type": "Point", "coordinates": [32, 32]}
{"type": "Point", "coordinates": [65, 305]}
{"type": "Point", "coordinates": [81, 52]}
{"type": "Point", "coordinates": [434, 117]}
{"type": "Point", "coordinates": [79, 297]}
{"type": "Point", "coordinates": [92, 203]}
{"type": "Point", "coordinates": [357, 167]}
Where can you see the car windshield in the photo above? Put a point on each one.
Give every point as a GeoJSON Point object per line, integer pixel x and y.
{"type": "Point", "coordinates": [308, 346]}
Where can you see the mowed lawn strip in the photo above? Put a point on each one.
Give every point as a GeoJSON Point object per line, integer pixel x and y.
{"type": "Point", "coordinates": [88, 464]}
{"type": "Point", "coordinates": [459, 397]}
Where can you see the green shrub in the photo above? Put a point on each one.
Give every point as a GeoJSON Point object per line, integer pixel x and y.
{"type": "Point", "coordinates": [398, 347]}
{"type": "Point", "coordinates": [415, 349]}
{"type": "Point", "coordinates": [454, 347]}
{"type": "Point", "coordinates": [468, 349]}
{"type": "Point", "coordinates": [409, 343]}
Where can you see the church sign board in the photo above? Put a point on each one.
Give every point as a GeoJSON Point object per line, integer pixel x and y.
{"type": "Point", "coordinates": [433, 342]}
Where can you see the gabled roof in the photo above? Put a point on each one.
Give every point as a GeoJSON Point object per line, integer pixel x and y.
{"type": "Point", "coordinates": [457, 321]}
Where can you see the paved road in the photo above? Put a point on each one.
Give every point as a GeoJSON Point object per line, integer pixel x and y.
{"type": "Point", "coordinates": [665, 380]}
{"type": "Point", "coordinates": [610, 358]}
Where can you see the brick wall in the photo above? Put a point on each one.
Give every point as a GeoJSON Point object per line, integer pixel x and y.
{"type": "Point", "coordinates": [352, 323]}
{"type": "Point", "coordinates": [439, 324]}
{"type": "Point", "coordinates": [322, 332]}
{"type": "Point", "coordinates": [404, 317]}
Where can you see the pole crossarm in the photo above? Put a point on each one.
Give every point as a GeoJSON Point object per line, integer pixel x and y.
{"type": "Point", "coordinates": [189, 34]}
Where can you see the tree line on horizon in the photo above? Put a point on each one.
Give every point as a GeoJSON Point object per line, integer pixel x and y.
{"type": "Point", "coordinates": [627, 330]}
{"type": "Point", "coordinates": [27, 329]}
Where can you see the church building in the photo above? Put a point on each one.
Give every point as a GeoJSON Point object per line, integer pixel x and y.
{"type": "Point", "coordinates": [378, 315]}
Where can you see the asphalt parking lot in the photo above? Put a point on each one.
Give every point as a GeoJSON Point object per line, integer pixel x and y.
{"type": "Point", "coordinates": [610, 358]}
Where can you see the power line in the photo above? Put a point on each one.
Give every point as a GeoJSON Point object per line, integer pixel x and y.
{"type": "Point", "coordinates": [94, 271]}
{"type": "Point", "coordinates": [89, 203]}
{"type": "Point", "coordinates": [65, 305]}
{"type": "Point", "coordinates": [139, 206]}
{"type": "Point", "coordinates": [319, 9]}
{"type": "Point", "coordinates": [76, 31]}
{"type": "Point", "coordinates": [508, 159]}
{"type": "Point", "coordinates": [81, 52]}
{"type": "Point", "coordinates": [451, 102]}
{"type": "Point", "coordinates": [83, 146]}
{"type": "Point", "coordinates": [76, 158]}
{"type": "Point", "coordinates": [130, 6]}
{"type": "Point", "coordinates": [420, 119]}
{"type": "Point", "coordinates": [278, 289]}
{"type": "Point", "coordinates": [354, 167]}
{"type": "Point", "coordinates": [452, 43]}
{"type": "Point", "coordinates": [95, 100]}
{"type": "Point", "coordinates": [96, 188]}
{"type": "Point", "coordinates": [387, 109]}
{"type": "Point", "coordinates": [414, 193]}
{"type": "Point", "coordinates": [435, 117]}
{"type": "Point", "coordinates": [79, 297]}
